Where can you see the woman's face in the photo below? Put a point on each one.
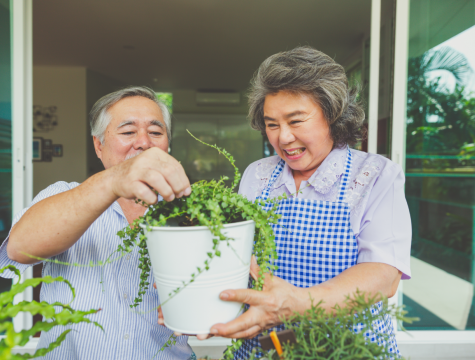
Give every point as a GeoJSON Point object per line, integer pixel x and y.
{"type": "Point", "coordinates": [298, 130]}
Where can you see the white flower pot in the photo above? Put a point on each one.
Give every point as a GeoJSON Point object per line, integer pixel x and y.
{"type": "Point", "coordinates": [176, 252]}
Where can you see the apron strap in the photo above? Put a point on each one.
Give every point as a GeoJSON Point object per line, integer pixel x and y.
{"type": "Point", "coordinates": [345, 178]}
{"type": "Point", "coordinates": [275, 174]}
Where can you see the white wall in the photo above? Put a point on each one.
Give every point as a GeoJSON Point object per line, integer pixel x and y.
{"type": "Point", "coordinates": [64, 87]}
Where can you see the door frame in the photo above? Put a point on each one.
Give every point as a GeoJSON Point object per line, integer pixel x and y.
{"type": "Point", "coordinates": [22, 126]}
{"type": "Point", "coordinates": [22, 135]}
{"type": "Point", "coordinates": [398, 155]}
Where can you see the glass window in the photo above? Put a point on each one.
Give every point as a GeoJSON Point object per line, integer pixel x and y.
{"type": "Point", "coordinates": [5, 128]}
{"type": "Point", "coordinates": [440, 164]}
{"type": "Point", "coordinates": [231, 132]}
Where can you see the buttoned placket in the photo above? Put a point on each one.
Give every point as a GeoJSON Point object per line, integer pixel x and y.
{"type": "Point", "coordinates": [126, 332]}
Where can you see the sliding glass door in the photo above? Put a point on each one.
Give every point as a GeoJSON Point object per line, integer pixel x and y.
{"type": "Point", "coordinates": [440, 164]}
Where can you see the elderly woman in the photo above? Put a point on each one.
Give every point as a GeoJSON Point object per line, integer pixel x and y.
{"type": "Point", "coordinates": [346, 223]}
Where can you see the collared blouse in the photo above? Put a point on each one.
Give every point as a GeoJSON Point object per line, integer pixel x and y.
{"type": "Point", "coordinates": [379, 214]}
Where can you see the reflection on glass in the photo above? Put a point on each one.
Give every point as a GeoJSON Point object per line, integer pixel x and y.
{"type": "Point", "coordinates": [440, 164]}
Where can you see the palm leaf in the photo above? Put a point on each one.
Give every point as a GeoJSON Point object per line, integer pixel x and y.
{"type": "Point", "coordinates": [448, 59]}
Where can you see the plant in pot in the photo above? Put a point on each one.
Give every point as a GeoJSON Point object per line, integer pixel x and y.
{"type": "Point", "coordinates": [199, 246]}
{"type": "Point", "coordinates": [62, 315]}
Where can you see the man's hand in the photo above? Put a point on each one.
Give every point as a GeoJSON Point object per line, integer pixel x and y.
{"type": "Point", "coordinates": [153, 169]}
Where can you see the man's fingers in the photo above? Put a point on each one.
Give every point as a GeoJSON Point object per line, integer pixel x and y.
{"type": "Point", "coordinates": [154, 169]}
{"type": "Point", "coordinates": [156, 180]}
{"type": "Point", "coordinates": [172, 171]}
{"type": "Point", "coordinates": [174, 175]}
{"type": "Point", "coordinates": [144, 193]}
{"type": "Point", "coordinates": [161, 320]}
{"type": "Point", "coordinates": [203, 336]}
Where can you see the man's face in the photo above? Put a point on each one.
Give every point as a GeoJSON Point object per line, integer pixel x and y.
{"type": "Point", "coordinates": [136, 125]}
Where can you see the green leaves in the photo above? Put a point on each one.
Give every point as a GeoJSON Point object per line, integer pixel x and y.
{"type": "Point", "coordinates": [330, 335]}
{"type": "Point", "coordinates": [51, 317]}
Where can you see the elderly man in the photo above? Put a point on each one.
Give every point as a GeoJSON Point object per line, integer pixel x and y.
{"type": "Point", "coordinates": [76, 223]}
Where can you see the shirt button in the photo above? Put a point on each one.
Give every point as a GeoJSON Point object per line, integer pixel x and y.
{"type": "Point", "coordinates": [125, 296]}
{"type": "Point", "coordinates": [126, 336]}
{"type": "Point", "coordinates": [128, 257]}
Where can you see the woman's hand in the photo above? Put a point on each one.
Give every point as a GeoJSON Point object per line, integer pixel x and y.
{"type": "Point", "coordinates": [277, 299]}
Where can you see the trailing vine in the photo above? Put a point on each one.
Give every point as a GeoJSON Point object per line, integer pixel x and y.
{"type": "Point", "coordinates": [51, 316]}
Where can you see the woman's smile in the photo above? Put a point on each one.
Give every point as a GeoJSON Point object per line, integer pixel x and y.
{"type": "Point", "coordinates": [294, 153]}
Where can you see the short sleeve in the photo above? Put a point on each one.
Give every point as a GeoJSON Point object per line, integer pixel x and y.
{"type": "Point", "coordinates": [245, 185]}
{"type": "Point", "coordinates": [385, 233]}
{"type": "Point", "coordinates": [51, 190]}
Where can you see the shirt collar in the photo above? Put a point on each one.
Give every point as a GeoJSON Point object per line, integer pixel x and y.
{"type": "Point", "coordinates": [323, 179]}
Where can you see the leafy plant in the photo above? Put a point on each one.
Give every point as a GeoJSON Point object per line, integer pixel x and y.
{"type": "Point", "coordinates": [51, 317]}
{"type": "Point", "coordinates": [322, 335]}
{"type": "Point", "coordinates": [212, 204]}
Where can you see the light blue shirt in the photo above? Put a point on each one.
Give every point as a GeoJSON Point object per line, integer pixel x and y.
{"type": "Point", "coordinates": [128, 333]}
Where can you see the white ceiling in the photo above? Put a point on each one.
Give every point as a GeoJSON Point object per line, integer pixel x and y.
{"type": "Point", "coordinates": [191, 44]}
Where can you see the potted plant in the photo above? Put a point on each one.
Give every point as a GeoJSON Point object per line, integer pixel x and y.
{"type": "Point", "coordinates": [202, 245]}
{"type": "Point", "coordinates": [51, 317]}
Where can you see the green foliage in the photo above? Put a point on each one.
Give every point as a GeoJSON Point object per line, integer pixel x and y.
{"type": "Point", "coordinates": [429, 98]}
{"type": "Point", "coordinates": [51, 316]}
{"type": "Point", "coordinates": [321, 335]}
{"type": "Point", "coordinates": [167, 99]}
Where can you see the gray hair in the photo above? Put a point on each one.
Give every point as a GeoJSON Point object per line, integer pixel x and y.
{"type": "Point", "coordinates": [100, 118]}
{"type": "Point", "coordinates": [305, 70]}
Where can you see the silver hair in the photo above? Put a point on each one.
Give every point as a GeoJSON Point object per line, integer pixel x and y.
{"type": "Point", "coordinates": [100, 118]}
{"type": "Point", "coordinates": [305, 70]}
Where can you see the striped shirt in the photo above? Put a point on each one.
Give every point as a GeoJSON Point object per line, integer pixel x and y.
{"type": "Point", "coordinates": [128, 333]}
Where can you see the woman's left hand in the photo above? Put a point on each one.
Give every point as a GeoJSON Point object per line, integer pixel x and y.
{"type": "Point", "coordinates": [277, 299]}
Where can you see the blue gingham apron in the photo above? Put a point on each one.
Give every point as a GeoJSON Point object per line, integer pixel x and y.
{"type": "Point", "coordinates": [315, 243]}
